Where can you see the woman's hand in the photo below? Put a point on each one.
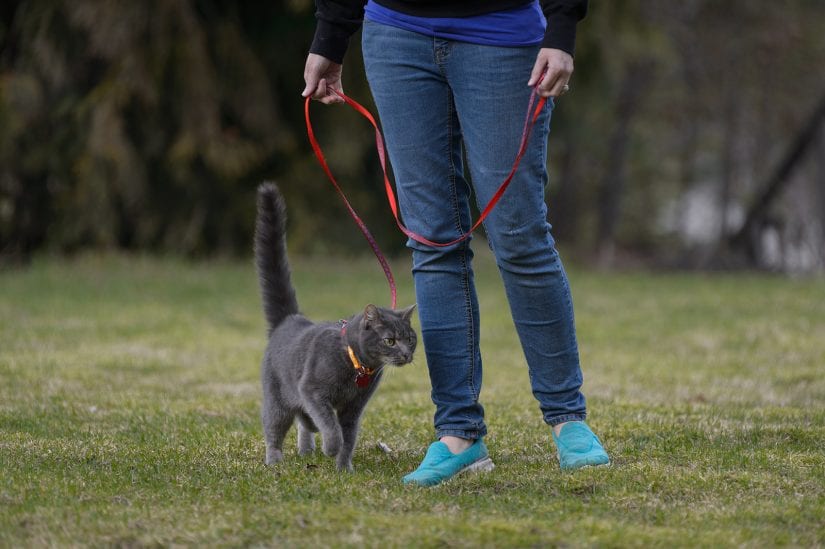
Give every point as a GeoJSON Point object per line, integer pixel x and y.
{"type": "Point", "coordinates": [557, 66]}
{"type": "Point", "coordinates": [321, 77]}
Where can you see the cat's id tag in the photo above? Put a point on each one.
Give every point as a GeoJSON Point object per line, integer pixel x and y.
{"type": "Point", "coordinates": [362, 379]}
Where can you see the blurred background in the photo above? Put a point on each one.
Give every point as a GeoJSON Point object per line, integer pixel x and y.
{"type": "Point", "coordinates": [693, 136]}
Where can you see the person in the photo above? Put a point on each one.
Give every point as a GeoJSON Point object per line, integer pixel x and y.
{"type": "Point", "coordinates": [453, 79]}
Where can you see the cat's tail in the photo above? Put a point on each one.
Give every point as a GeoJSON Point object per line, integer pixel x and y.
{"type": "Point", "coordinates": [277, 292]}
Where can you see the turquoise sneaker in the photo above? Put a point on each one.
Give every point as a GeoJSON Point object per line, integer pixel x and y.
{"type": "Point", "coordinates": [440, 464]}
{"type": "Point", "coordinates": [578, 447]}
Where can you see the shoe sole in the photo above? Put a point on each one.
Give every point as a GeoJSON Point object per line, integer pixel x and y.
{"type": "Point", "coordinates": [483, 465]}
{"type": "Point", "coordinates": [584, 465]}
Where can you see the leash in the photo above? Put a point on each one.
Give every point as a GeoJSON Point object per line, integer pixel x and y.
{"type": "Point", "coordinates": [361, 225]}
{"type": "Point", "coordinates": [534, 108]}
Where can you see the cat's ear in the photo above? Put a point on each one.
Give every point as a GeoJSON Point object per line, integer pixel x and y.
{"type": "Point", "coordinates": [371, 314]}
{"type": "Point", "coordinates": [406, 314]}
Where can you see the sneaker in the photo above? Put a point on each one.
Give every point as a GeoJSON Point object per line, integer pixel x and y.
{"type": "Point", "coordinates": [578, 447]}
{"type": "Point", "coordinates": [441, 464]}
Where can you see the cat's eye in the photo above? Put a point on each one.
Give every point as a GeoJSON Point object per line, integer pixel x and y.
{"type": "Point", "coordinates": [389, 342]}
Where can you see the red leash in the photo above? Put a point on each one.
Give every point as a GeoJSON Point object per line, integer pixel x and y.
{"type": "Point", "coordinates": [534, 106]}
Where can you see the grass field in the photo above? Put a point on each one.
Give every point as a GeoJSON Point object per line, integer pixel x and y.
{"type": "Point", "coordinates": [129, 401]}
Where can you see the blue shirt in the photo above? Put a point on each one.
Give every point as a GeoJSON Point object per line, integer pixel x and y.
{"type": "Point", "coordinates": [521, 26]}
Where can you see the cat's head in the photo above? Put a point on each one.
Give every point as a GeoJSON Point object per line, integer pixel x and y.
{"type": "Point", "coordinates": [386, 336]}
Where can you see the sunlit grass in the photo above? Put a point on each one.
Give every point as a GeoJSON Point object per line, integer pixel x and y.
{"type": "Point", "coordinates": [129, 403]}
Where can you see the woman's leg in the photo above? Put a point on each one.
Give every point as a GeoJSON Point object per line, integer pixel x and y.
{"type": "Point", "coordinates": [491, 98]}
{"type": "Point", "coordinates": [406, 75]}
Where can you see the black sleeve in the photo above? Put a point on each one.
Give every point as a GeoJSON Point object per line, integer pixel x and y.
{"type": "Point", "coordinates": [337, 21]}
{"type": "Point", "coordinates": [562, 17]}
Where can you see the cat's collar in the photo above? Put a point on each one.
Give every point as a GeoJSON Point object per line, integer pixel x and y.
{"type": "Point", "coordinates": [363, 375]}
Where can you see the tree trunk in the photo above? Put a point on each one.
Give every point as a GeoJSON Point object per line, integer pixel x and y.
{"type": "Point", "coordinates": [631, 92]}
{"type": "Point", "coordinates": [728, 172]}
{"type": "Point", "coordinates": [746, 240]}
{"type": "Point", "coordinates": [563, 207]}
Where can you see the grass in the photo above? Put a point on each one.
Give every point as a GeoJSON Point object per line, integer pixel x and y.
{"type": "Point", "coordinates": [129, 403]}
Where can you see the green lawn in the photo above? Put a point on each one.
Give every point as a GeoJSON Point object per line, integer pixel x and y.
{"type": "Point", "coordinates": [129, 401]}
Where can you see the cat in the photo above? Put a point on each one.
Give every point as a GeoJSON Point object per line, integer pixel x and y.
{"type": "Point", "coordinates": [322, 374]}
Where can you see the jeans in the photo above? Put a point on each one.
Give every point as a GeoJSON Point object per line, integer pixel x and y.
{"type": "Point", "coordinates": [436, 97]}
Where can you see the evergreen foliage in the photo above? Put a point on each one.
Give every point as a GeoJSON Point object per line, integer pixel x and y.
{"type": "Point", "coordinates": [148, 125]}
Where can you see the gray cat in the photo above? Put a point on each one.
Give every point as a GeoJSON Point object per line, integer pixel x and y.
{"type": "Point", "coordinates": [321, 374]}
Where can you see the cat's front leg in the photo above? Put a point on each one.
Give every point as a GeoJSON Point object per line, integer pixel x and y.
{"type": "Point", "coordinates": [306, 435]}
{"type": "Point", "coordinates": [322, 414]}
{"type": "Point", "coordinates": [332, 441]}
{"type": "Point", "coordinates": [349, 431]}
{"type": "Point", "coordinates": [277, 420]}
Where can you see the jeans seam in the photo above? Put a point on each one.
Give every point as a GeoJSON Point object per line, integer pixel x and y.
{"type": "Point", "coordinates": [565, 418]}
{"type": "Point", "coordinates": [452, 181]}
{"type": "Point", "coordinates": [471, 434]}
{"type": "Point", "coordinates": [461, 250]}
{"type": "Point", "coordinates": [468, 308]}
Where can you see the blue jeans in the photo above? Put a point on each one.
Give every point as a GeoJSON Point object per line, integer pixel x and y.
{"type": "Point", "coordinates": [434, 97]}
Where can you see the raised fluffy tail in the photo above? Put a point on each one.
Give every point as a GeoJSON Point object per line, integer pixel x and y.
{"type": "Point", "coordinates": [277, 293]}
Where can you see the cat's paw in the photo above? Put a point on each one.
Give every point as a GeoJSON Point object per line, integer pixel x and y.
{"type": "Point", "coordinates": [306, 443]}
{"type": "Point", "coordinates": [332, 444]}
{"type": "Point", "coordinates": [344, 465]}
{"type": "Point", "coordinates": [273, 456]}
{"type": "Point", "coordinates": [306, 451]}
